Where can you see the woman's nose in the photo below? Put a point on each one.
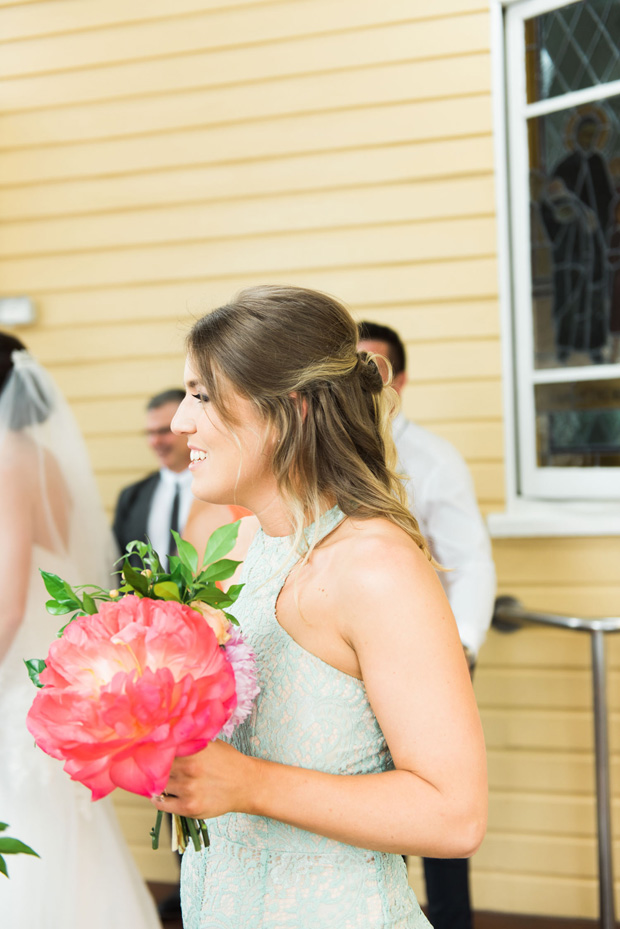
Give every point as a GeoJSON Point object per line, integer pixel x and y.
{"type": "Point", "coordinates": [182, 424]}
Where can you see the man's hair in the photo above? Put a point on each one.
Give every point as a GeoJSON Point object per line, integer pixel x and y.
{"type": "Point", "coordinates": [374, 332]}
{"type": "Point", "coordinates": [173, 395]}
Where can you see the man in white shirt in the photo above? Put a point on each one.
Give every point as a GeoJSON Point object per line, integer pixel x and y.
{"type": "Point", "coordinates": [443, 500]}
{"type": "Point", "coordinates": [161, 501]}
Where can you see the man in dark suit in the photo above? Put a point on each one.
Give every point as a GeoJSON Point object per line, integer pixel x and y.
{"type": "Point", "coordinates": [161, 500]}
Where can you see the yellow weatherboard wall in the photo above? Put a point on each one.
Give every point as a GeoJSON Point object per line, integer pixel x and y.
{"type": "Point", "coordinates": [154, 158]}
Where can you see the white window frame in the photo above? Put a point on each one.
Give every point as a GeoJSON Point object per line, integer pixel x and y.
{"type": "Point", "coordinates": [539, 501]}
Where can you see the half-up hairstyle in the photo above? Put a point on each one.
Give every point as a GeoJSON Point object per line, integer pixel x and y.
{"type": "Point", "coordinates": [293, 353]}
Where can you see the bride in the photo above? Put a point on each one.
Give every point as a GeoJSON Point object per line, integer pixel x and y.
{"type": "Point", "coordinates": [51, 519]}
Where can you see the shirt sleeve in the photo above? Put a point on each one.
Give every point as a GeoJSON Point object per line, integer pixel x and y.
{"type": "Point", "coordinates": [460, 542]}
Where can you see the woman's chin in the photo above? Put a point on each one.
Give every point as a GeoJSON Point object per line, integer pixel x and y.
{"type": "Point", "coordinates": [206, 492]}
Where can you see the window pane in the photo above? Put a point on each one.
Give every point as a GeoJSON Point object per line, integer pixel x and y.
{"type": "Point", "coordinates": [575, 234]}
{"type": "Point", "coordinates": [571, 48]}
{"type": "Point", "coordinates": [578, 425]}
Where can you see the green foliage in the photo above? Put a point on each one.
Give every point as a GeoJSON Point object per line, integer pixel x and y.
{"type": "Point", "coordinates": [182, 582]}
{"type": "Point", "coordinates": [167, 590]}
{"type": "Point", "coordinates": [220, 543]}
{"type": "Point", "coordinates": [35, 666]}
{"type": "Point", "coordinates": [221, 570]}
{"type": "Point", "coordinates": [11, 847]}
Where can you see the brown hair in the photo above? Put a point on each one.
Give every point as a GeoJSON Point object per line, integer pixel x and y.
{"type": "Point", "coordinates": [292, 352]}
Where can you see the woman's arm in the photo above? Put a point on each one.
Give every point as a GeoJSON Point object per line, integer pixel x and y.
{"type": "Point", "coordinates": [395, 615]}
{"type": "Point", "coordinates": [16, 537]}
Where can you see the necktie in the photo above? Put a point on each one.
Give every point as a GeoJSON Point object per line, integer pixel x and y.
{"type": "Point", "coordinates": [174, 520]}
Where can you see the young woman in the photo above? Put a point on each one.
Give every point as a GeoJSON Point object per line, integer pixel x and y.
{"type": "Point", "coordinates": [365, 741]}
{"type": "Point", "coordinates": [51, 518]}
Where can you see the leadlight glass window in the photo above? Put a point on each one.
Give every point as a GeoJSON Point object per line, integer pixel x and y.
{"type": "Point", "coordinates": [563, 80]}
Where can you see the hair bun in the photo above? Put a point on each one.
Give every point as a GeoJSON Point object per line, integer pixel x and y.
{"type": "Point", "coordinates": [368, 373]}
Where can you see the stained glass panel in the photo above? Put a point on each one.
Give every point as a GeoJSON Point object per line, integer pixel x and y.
{"type": "Point", "coordinates": [578, 424]}
{"type": "Point", "coordinates": [575, 234]}
{"type": "Point", "coordinates": [571, 48]}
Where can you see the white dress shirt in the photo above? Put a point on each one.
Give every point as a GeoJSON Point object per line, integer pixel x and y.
{"type": "Point", "coordinates": [160, 513]}
{"type": "Point", "coordinates": [442, 498]}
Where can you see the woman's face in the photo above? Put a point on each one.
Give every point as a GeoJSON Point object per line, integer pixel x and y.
{"type": "Point", "coordinates": [231, 465]}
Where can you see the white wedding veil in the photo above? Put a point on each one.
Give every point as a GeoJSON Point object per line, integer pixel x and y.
{"type": "Point", "coordinates": [36, 423]}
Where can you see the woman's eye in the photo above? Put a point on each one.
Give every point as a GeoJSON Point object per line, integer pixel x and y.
{"type": "Point", "coordinates": [202, 398]}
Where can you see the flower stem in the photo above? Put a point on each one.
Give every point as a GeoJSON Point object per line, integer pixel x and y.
{"type": "Point", "coordinates": [155, 830]}
{"type": "Point", "coordinates": [193, 831]}
{"type": "Point", "coordinates": [204, 832]}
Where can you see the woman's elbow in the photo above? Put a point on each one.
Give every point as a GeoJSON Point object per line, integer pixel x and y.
{"type": "Point", "coordinates": [469, 826]}
{"type": "Point", "coordinates": [470, 836]}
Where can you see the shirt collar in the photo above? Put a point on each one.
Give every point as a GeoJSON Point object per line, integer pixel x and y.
{"type": "Point", "coordinates": [182, 478]}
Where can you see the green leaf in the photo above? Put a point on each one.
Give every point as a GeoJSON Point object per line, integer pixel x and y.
{"type": "Point", "coordinates": [12, 847]}
{"type": "Point", "coordinates": [220, 570]}
{"type": "Point", "coordinates": [60, 590]}
{"type": "Point", "coordinates": [89, 604]}
{"type": "Point", "coordinates": [187, 552]}
{"type": "Point", "coordinates": [231, 618]}
{"type": "Point", "coordinates": [180, 573]}
{"type": "Point", "coordinates": [59, 609]}
{"type": "Point", "coordinates": [220, 542]}
{"type": "Point", "coordinates": [15, 847]}
{"type": "Point", "coordinates": [135, 579]}
{"type": "Point", "coordinates": [234, 590]}
{"type": "Point", "coordinates": [166, 590]}
{"type": "Point", "coordinates": [54, 585]}
{"type": "Point", "coordinates": [211, 595]}
{"type": "Point", "coordinates": [34, 666]}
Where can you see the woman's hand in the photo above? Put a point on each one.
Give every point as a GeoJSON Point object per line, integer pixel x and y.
{"type": "Point", "coordinates": [212, 782]}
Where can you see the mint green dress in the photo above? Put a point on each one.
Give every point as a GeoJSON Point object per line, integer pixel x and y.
{"type": "Point", "coordinates": [262, 874]}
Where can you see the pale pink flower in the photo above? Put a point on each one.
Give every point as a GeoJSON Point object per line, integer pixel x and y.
{"type": "Point", "coordinates": [243, 663]}
{"type": "Point", "coordinates": [215, 618]}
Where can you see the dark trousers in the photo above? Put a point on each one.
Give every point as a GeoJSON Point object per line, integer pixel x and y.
{"type": "Point", "coordinates": [447, 892]}
{"type": "Point", "coordinates": [447, 887]}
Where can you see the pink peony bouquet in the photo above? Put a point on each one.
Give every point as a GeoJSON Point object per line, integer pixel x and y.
{"type": "Point", "coordinates": [157, 670]}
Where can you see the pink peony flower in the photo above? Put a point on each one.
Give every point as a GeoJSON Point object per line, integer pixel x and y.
{"type": "Point", "coordinates": [128, 689]}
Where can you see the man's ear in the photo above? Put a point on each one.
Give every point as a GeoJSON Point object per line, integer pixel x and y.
{"type": "Point", "coordinates": [294, 395]}
{"type": "Point", "coordinates": [399, 381]}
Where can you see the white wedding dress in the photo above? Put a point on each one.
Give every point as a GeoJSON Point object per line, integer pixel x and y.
{"type": "Point", "coordinates": [85, 877]}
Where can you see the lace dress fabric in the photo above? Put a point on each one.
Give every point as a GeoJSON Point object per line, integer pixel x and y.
{"type": "Point", "coordinates": [263, 874]}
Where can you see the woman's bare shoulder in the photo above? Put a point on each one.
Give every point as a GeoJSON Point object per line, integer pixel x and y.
{"type": "Point", "coordinates": [366, 558]}
{"type": "Point", "coordinates": [377, 542]}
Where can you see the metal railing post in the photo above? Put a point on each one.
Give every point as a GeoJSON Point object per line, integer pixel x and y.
{"type": "Point", "coordinates": [603, 791]}
{"type": "Point", "coordinates": [509, 616]}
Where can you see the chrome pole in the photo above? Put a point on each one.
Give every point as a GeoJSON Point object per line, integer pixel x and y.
{"type": "Point", "coordinates": [509, 616]}
{"type": "Point", "coordinates": [603, 803]}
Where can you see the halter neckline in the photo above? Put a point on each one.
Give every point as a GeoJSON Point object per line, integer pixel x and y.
{"type": "Point", "coordinates": [318, 529]}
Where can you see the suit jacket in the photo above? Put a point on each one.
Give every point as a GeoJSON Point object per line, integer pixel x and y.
{"type": "Point", "coordinates": [132, 511]}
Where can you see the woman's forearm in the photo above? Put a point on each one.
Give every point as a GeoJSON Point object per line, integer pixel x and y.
{"type": "Point", "coordinates": [393, 811]}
